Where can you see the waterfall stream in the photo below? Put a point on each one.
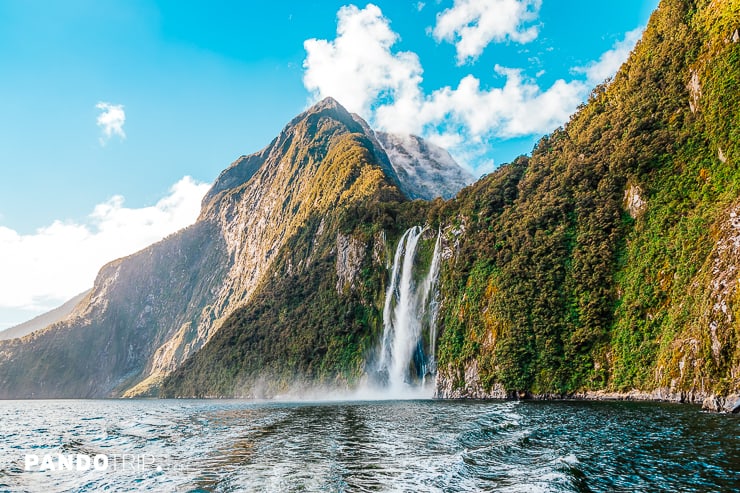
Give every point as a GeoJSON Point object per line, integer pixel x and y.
{"type": "Point", "coordinates": [409, 317]}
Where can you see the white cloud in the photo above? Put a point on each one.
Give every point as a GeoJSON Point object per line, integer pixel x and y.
{"type": "Point", "coordinates": [471, 25]}
{"type": "Point", "coordinates": [610, 61]}
{"type": "Point", "coordinates": [360, 70]}
{"type": "Point", "coordinates": [518, 108]}
{"type": "Point", "coordinates": [44, 269]}
{"type": "Point", "coordinates": [111, 120]}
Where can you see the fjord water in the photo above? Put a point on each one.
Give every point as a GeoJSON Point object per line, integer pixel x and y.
{"type": "Point", "coordinates": [421, 445]}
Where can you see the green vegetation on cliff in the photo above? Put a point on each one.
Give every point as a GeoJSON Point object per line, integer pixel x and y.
{"type": "Point", "coordinates": [317, 315]}
{"type": "Point", "coordinates": [612, 261]}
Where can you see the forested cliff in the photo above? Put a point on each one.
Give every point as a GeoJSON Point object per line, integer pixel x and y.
{"type": "Point", "coordinates": [609, 259]}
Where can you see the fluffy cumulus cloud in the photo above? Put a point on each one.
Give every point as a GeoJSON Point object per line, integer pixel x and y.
{"type": "Point", "coordinates": [111, 120]}
{"type": "Point", "coordinates": [358, 67]}
{"type": "Point", "coordinates": [44, 269]}
{"type": "Point", "coordinates": [362, 71]}
{"type": "Point", "coordinates": [471, 25]}
{"type": "Point", "coordinates": [518, 108]}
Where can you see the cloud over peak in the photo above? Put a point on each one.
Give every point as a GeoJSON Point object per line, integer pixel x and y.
{"type": "Point", "coordinates": [364, 73]}
{"type": "Point", "coordinates": [358, 67]}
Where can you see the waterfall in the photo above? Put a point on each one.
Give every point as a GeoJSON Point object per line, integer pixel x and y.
{"type": "Point", "coordinates": [406, 358]}
{"type": "Point", "coordinates": [433, 304]}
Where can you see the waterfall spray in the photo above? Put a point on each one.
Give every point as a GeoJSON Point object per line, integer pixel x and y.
{"type": "Point", "coordinates": [407, 310]}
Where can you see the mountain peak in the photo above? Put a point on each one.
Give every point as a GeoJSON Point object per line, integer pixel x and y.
{"type": "Point", "coordinates": [242, 170]}
{"type": "Point", "coordinates": [420, 169]}
{"type": "Point", "coordinates": [328, 103]}
{"type": "Point", "coordinates": [331, 109]}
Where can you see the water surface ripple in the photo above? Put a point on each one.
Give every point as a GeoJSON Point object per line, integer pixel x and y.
{"type": "Point", "coordinates": [444, 446]}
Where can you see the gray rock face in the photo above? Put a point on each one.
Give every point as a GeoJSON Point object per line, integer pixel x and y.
{"type": "Point", "coordinates": [719, 404]}
{"type": "Point", "coordinates": [633, 201]}
{"type": "Point", "coordinates": [725, 268]}
{"type": "Point", "coordinates": [426, 171]}
{"type": "Point", "coordinates": [446, 386]}
{"type": "Point", "coordinates": [350, 254]}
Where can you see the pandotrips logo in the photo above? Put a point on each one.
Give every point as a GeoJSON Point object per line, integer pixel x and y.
{"type": "Point", "coordinates": [99, 462]}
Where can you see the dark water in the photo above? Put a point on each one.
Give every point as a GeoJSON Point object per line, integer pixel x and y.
{"type": "Point", "coordinates": [371, 446]}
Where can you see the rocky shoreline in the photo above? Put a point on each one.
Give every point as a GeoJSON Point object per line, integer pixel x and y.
{"type": "Point", "coordinates": [712, 403]}
{"type": "Point", "coordinates": [473, 389]}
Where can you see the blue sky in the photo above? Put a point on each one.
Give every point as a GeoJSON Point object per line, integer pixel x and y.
{"type": "Point", "coordinates": [105, 107]}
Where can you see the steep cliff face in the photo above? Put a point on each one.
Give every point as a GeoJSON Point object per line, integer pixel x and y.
{"type": "Point", "coordinates": [137, 304]}
{"type": "Point", "coordinates": [608, 261]}
{"type": "Point", "coordinates": [149, 312]}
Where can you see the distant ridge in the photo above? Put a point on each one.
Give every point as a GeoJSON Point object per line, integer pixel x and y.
{"type": "Point", "coordinates": [44, 320]}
